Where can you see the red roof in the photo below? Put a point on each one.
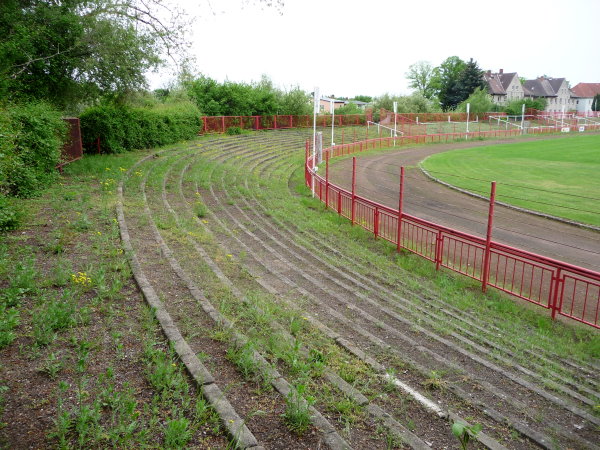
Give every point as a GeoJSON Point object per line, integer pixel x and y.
{"type": "Point", "coordinates": [586, 90]}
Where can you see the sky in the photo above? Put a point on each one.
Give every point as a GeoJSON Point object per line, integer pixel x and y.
{"type": "Point", "coordinates": [358, 47]}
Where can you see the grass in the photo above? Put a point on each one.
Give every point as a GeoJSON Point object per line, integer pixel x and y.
{"type": "Point", "coordinates": [71, 316]}
{"type": "Point", "coordinates": [556, 176]}
{"type": "Point", "coordinates": [87, 303]}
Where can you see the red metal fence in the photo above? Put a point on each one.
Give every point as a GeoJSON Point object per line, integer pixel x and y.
{"type": "Point", "coordinates": [72, 150]}
{"type": "Point", "coordinates": [220, 124]}
{"type": "Point", "coordinates": [434, 117]}
{"type": "Point", "coordinates": [565, 289]}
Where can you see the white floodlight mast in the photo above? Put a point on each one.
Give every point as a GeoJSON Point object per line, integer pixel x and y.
{"type": "Point", "coordinates": [395, 116]}
{"type": "Point", "coordinates": [317, 100]}
{"type": "Point", "coordinates": [332, 110]}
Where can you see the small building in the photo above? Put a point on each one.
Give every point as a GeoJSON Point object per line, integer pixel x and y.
{"type": "Point", "coordinates": [361, 105]}
{"type": "Point", "coordinates": [325, 104]}
{"type": "Point", "coordinates": [585, 93]}
{"type": "Point", "coordinates": [503, 87]}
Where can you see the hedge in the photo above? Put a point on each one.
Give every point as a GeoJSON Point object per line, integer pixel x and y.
{"type": "Point", "coordinates": [31, 140]}
{"type": "Point", "coordinates": [123, 128]}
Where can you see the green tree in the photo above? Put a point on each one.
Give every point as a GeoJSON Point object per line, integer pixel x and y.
{"type": "Point", "coordinates": [363, 98]}
{"type": "Point", "coordinates": [596, 103]}
{"type": "Point", "coordinates": [470, 79]}
{"type": "Point", "coordinates": [350, 108]}
{"type": "Point", "coordinates": [73, 51]}
{"type": "Point", "coordinates": [414, 103]}
{"type": "Point", "coordinates": [447, 76]}
{"type": "Point", "coordinates": [422, 77]}
{"type": "Point", "coordinates": [515, 107]}
{"type": "Point", "coordinates": [296, 102]}
{"type": "Point", "coordinates": [480, 101]}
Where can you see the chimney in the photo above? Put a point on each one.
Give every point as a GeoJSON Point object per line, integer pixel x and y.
{"type": "Point", "coordinates": [501, 71]}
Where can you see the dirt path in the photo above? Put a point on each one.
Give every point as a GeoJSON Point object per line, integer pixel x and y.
{"type": "Point", "coordinates": [377, 179]}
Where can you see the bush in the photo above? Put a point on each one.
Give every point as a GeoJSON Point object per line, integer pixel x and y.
{"type": "Point", "coordinates": [10, 215]}
{"type": "Point", "coordinates": [514, 108]}
{"type": "Point", "coordinates": [31, 140]}
{"type": "Point", "coordinates": [231, 131]}
{"type": "Point", "coordinates": [122, 128]}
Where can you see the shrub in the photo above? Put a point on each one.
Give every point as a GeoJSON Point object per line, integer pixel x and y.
{"type": "Point", "coordinates": [234, 130]}
{"type": "Point", "coordinates": [10, 215]}
{"type": "Point", "coordinates": [121, 128]}
{"type": "Point", "coordinates": [31, 140]}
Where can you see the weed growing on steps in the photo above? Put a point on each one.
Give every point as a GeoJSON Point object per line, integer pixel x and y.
{"type": "Point", "coordinates": [297, 413]}
{"type": "Point", "coordinates": [465, 433]}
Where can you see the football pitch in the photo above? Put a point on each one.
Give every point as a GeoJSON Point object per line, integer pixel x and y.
{"type": "Point", "coordinates": [558, 176]}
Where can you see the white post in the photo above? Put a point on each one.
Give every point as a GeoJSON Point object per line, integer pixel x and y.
{"type": "Point", "coordinates": [522, 117]}
{"type": "Point", "coordinates": [316, 100]}
{"type": "Point", "coordinates": [468, 111]}
{"type": "Point", "coordinates": [332, 108]}
{"type": "Point", "coordinates": [395, 127]}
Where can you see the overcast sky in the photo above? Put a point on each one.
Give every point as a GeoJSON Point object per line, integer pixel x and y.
{"type": "Point", "coordinates": [357, 47]}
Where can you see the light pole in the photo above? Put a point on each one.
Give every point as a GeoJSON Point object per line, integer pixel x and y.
{"type": "Point", "coordinates": [332, 108]}
{"type": "Point", "coordinates": [317, 99]}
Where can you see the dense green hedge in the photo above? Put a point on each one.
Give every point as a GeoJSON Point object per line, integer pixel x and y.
{"type": "Point", "coordinates": [122, 128]}
{"type": "Point", "coordinates": [31, 140]}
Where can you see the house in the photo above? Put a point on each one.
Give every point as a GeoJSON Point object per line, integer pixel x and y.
{"type": "Point", "coordinates": [555, 90]}
{"type": "Point", "coordinates": [361, 105]}
{"type": "Point", "coordinates": [325, 104]}
{"type": "Point", "coordinates": [503, 87]}
{"type": "Point", "coordinates": [585, 93]}
{"type": "Point", "coordinates": [506, 87]}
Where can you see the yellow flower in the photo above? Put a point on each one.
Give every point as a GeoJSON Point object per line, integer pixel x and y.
{"type": "Point", "coordinates": [107, 168]}
{"type": "Point", "coordinates": [122, 169]}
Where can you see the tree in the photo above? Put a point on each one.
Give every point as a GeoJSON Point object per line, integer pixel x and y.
{"type": "Point", "coordinates": [596, 103]}
{"type": "Point", "coordinates": [72, 51]}
{"type": "Point", "coordinates": [457, 80]}
{"type": "Point", "coordinates": [480, 101]}
{"type": "Point", "coordinates": [470, 79]}
{"type": "Point", "coordinates": [406, 103]}
{"type": "Point", "coordinates": [447, 78]}
{"type": "Point", "coordinates": [515, 107]}
{"type": "Point", "coordinates": [422, 78]}
{"type": "Point", "coordinates": [363, 98]}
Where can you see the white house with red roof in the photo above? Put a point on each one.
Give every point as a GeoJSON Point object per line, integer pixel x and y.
{"type": "Point", "coordinates": [585, 93]}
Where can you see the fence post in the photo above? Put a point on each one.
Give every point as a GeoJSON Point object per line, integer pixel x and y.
{"type": "Point", "coordinates": [557, 282]}
{"type": "Point", "coordinates": [488, 239]}
{"type": "Point", "coordinates": [439, 242]}
{"type": "Point", "coordinates": [342, 137]}
{"type": "Point", "coordinates": [400, 205]}
{"type": "Point", "coordinates": [353, 187]}
{"type": "Point", "coordinates": [275, 122]}
{"type": "Point", "coordinates": [339, 208]}
{"type": "Point", "coordinates": [376, 222]}
{"type": "Point", "coordinates": [327, 181]}
{"type": "Point", "coordinates": [223, 123]}
{"type": "Point", "coordinates": [204, 123]}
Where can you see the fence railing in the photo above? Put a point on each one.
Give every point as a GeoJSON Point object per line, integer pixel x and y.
{"type": "Point", "coordinates": [72, 150]}
{"type": "Point", "coordinates": [220, 124]}
{"type": "Point", "coordinates": [563, 288]}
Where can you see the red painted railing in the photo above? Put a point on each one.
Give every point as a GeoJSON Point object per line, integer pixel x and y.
{"type": "Point", "coordinates": [220, 124]}
{"type": "Point", "coordinates": [565, 289]}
